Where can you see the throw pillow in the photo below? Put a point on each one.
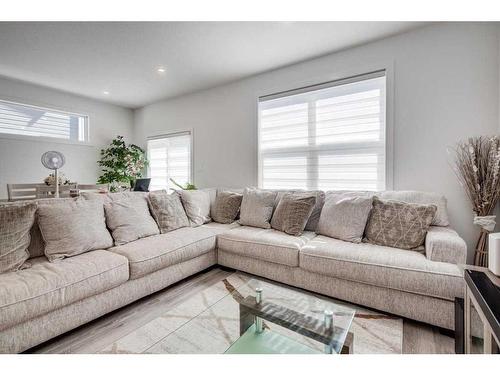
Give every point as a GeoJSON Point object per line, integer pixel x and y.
{"type": "Point", "coordinates": [312, 223]}
{"type": "Point", "coordinates": [226, 207]}
{"type": "Point", "coordinates": [16, 221]}
{"type": "Point", "coordinates": [344, 217]}
{"type": "Point", "coordinates": [168, 211]}
{"type": "Point", "coordinates": [399, 224]}
{"type": "Point", "coordinates": [197, 206]}
{"type": "Point", "coordinates": [257, 208]}
{"type": "Point", "coordinates": [73, 228]}
{"type": "Point", "coordinates": [293, 212]}
{"type": "Point", "coordinates": [129, 219]}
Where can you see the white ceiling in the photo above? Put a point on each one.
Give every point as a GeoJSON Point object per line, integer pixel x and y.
{"type": "Point", "coordinates": [87, 58]}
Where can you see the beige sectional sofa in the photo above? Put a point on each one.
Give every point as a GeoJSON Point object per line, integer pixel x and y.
{"type": "Point", "coordinates": [48, 299]}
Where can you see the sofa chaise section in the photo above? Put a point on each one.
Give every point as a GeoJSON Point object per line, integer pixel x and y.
{"type": "Point", "coordinates": [49, 286]}
{"type": "Point", "coordinates": [41, 328]}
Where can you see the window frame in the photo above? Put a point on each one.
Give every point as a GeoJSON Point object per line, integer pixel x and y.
{"type": "Point", "coordinates": [170, 135]}
{"type": "Point", "coordinates": [330, 79]}
{"type": "Point", "coordinates": [23, 137]}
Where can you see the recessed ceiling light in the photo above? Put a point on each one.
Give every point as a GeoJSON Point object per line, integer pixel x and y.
{"type": "Point", "coordinates": [105, 92]}
{"type": "Point", "coordinates": [161, 69]}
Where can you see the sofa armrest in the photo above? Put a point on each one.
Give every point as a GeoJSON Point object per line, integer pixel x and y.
{"type": "Point", "coordinates": [443, 244]}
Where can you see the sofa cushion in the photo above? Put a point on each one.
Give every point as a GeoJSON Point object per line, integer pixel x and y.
{"type": "Point", "coordinates": [293, 212]}
{"type": "Point", "coordinates": [129, 219]}
{"type": "Point", "coordinates": [151, 254]}
{"type": "Point", "coordinates": [168, 211]}
{"type": "Point", "coordinates": [49, 286]}
{"type": "Point", "coordinates": [37, 246]}
{"type": "Point", "coordinates": [257, 207]}
{"type": "Point", "coordinates": [266, 244]}
{"type": "Point", "coordinates": [312, 223]}
{"type": "Point", "coordinates": [408, 271]}
{"type": "Point", "coordinates": [226, 207]}
{"type": "Point", "coordinates": [344, 217]}
{"type": "Point", "coordinates": [16, 221]}
{"type": "Point", "coordinates": [421, 197]}
{"type": "Point", "coordinates": [197, 206]}
{"type": "Point", "coordinates": [399, 224]}
{"type": "Point", "coordinates": [73, 228]}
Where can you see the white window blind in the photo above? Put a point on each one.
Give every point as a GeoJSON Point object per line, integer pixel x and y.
{"type": "Point", "coordinates": [328, 137]}
{"type": "Point", "coordinates": [27, 120]}
{"type": "Point", "coordinates": [169, 157]}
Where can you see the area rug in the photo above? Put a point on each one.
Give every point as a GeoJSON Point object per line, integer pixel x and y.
{"type": "Point", "coordinates": [216, 327]}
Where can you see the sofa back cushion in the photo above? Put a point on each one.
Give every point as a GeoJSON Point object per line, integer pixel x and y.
{"type": "Point", "coordinates": [399, 224]}
{"type": "Point", "coordinates": [344, 216]}
{"type": "Point", "coordinates": [227, 206]}
{"type": "Point", "coordinates": [197, 205]}
{"type": "Point", "coordinates": [16, 221]}
{"type": "Point", "coordinates": [168, 211]}
{"type": "Point", "coordinates": [73, 228]}
{"type": "Point", "coordinates": [293, 212]}
{"type": "Point", "coordinates": [37, 245]}
{"type": "Point", "coordinates": [257, 207]}
{"type": "Point", "coordinates": [129, 219]}
{"type": "Point", "coordinates": [421, 197]}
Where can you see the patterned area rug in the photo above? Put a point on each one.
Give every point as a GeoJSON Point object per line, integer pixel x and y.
{"type": "Point", "coordinates": [209, 323]}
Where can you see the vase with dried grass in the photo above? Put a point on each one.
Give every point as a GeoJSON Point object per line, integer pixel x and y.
{"type": "Point", "coordinates": [477, 164]}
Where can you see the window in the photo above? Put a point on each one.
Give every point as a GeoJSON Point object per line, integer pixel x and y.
{"type": "Point", "coordinates": [328, 137]}
{"type": "Point", "coordinates": [27, 120]}
{"type": "Point", "coordinates": [169, 158]}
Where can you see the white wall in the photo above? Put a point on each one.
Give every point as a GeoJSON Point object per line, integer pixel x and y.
{"type": "Point", "coordinates": [445, 87]}
{"type": "Point", "coordinates": [20, 159]}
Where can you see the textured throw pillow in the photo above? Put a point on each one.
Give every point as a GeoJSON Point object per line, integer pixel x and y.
{"type": "Point", "coordinates": [292, 213]}
{"type": "Point", "coordinates": [129, 219]}
{"type": "Point", "coordinates": [197, 206]}
{"type": "Point", "coordinates": [312, 223]}
{"type": "Point", "coordinates": [226, 207]}
{"type": "Point", "coordinates": [168, 211]}
{"type": "Point", "coordinates": [73, 228]}
{"type": "Point", "coordinates": [399, 224]}
{"type": "Point", "coordinates": [257, 208]}
{"type": "Point", "coordinates": [344, 217]}
{"type": "Point", "coordinates": [16, 221]}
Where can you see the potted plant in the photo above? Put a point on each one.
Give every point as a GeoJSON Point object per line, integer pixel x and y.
{"type": "Point", "coordinates": [477, 164]}
{"type": "Point", "coordinates": [121, 164]}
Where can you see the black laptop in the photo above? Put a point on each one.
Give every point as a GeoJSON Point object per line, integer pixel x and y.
{"type": "Point", "coordinates": [142, 184]}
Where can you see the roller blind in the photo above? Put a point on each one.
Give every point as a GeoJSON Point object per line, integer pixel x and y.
{"type": "Point", "coordinates": [169, 157]}
{"type": "Point", "coordinates": [26, 120]}
{"type": "Point", "coordinates": [329, 136]}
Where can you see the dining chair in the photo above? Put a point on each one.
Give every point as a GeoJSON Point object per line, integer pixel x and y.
{"type": "Point", "coordinates": [18, 192]}
{"type": "Point", "coordinates": [92, 188]}
{"type": "Point", "coordinates": [49, 191]}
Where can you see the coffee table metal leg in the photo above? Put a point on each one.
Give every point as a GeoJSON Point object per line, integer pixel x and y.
{"type": "Point", "coordinates": [259, 324]}
{"type": "Point", "coordinates": [328, 319]}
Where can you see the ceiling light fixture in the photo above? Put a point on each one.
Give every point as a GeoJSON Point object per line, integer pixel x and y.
{"type": "Point", "coordinates": [161, 69]}
{"type": "Point", "coordinates": [105, 92]}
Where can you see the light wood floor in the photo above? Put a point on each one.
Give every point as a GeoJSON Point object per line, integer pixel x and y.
{"type": "Point", "coordinates": [96, 335]}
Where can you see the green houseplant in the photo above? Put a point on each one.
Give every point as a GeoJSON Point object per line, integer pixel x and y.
{"type": "Point", "coordinates": [121, 163]}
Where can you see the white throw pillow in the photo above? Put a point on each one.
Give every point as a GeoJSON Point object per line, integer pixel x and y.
{"type": "Point", "coordinates": [197, 206]}
{"type": "Point", "coordinates": [344, 217]}
{"type": "Point", "coordinates": [257, 208]}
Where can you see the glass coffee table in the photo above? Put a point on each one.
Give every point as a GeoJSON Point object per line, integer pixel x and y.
{"type": "Point", "coordinates": [259, 317]}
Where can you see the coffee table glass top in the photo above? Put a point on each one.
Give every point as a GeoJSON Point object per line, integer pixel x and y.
{"type": "Point", "coordinates": [263, 317]}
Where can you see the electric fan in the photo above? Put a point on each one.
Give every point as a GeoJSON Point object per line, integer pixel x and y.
{"type": "Point", "coordinates": [54, 160]}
